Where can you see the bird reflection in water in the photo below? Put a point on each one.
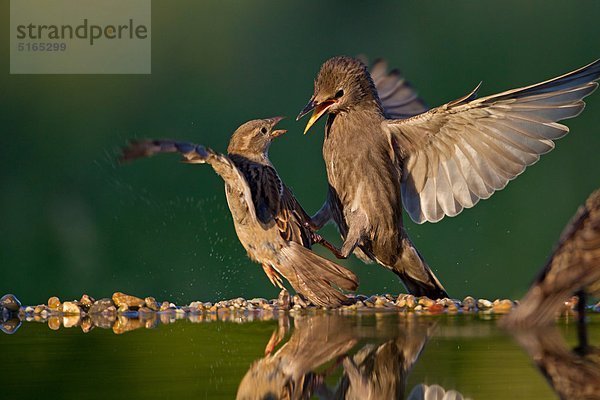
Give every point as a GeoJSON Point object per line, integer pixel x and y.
{"type": "Point", "coordinates": [573, 374]}
{"type": "Point", "coordinates": [321, 345]}
{"type": "Point", "coordinates": [573, 268]}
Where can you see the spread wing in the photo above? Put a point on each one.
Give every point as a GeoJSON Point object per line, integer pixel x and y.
{"type": "Point", "coordinates": [195, 154]}
{"type": "Point", "coordinates": [398, 98]}
{"type": "Point", "coordinates": [467, 149]}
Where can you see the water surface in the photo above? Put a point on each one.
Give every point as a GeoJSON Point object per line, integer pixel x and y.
{"type": "Point", "coordinates": [320, 355]}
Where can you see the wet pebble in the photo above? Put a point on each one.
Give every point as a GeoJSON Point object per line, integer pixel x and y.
{"type": "Point", "coordinates": [502, 306]}
{"type": "Point", "coordinates": [86, 302]}
{"type": "Point", "coordinates": [469, 303]}
{"type": "Point", "coordinates": [10, 302]}
{"type": "Point", "coordinates": [283, 300]}
{"type": "Point", "coordinates": [132, 302]}
{"type": "Point", "coordinates": [426, 302]}
{"type": "Point", "coordinates": [484, 304]}
{"type": "Point", "coordinates": [151, 303]}
{"type": "Point", "coordinates": [103, 306]}
{"type": "Point", "coordinates": [54, 303]}
{"type": "Point", "coordinates": [70, 308]}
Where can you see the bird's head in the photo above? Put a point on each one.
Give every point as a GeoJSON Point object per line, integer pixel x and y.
{"type": "Point", "coordinates": [252, 139]}
{"type": "Point", "coordinates": [342, 83]}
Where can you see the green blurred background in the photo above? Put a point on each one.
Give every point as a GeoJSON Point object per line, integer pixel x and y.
{"type": "Point", "coordinates": [73, 221]}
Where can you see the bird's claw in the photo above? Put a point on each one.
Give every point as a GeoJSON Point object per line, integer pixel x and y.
{"type": "Point", "coordinates": [316, 238]}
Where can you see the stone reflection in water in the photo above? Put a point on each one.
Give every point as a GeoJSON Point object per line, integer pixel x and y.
{"type": "Point", "coordinates": [320, 345]}
{"type": "Point", "coordinates": [573, 374]}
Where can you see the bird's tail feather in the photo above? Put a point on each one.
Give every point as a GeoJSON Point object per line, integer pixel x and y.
{"type": "Point", "coordinates": [416, 275]}
{"type": "Point", "coordinates": [316, 277]}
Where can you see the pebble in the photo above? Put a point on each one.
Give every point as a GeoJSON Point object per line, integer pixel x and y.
{"type": "Point", "coordinates": [10, 302]}
{"type": "Point", "coordinates": [469, 303]}
{"type": "Point", "coordinates": [410, 301]}
{"type": "Point", "coordinates": [436, 308]}
{"type": "Point", "coordinates": [283, 301]}
{"type": "Point", "coordinates": [103, 306]}
{"type": "Point", "coordinates": [86, 301]}
{"type": "Point", "coordinates": [134, 312]}
{"type": "Point", "coordinates": [502, 307]}
{"type": "Point", "coordinates": [425, 301]}
{"type": "Point", "coordinates": [152, 304]}
{"type": "Point", "coordinates": [70, 308]}
{"type": "Point", "coordinates": [401, 302]}
{"type": "Point", "coordinates": [484, 304]}
{"type": "Point", "coordinates": [132, 302]}
{"type": "Point", "coordinates": [380, 302]}
{"type": "Point", "coordinates": [54, 303]}
{"type": "Point", "coordinates": [39, 309]}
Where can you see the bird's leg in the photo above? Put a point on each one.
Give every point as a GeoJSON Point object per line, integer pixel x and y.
{"type": "Point", "coordinates": [354, 236]}
{"type": "Point", "coordinates": [273, 276]}
{"type": "Point", "coordinates": [316, 238]}
{"type": "Point", "coordinates": [322, 216]}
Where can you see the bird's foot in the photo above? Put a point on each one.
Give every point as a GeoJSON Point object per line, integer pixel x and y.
{"type": "Point", "coordinates": [316, 238]}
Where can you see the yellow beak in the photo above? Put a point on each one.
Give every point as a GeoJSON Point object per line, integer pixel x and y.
{"type": "Point", "coordinates": [319, 110]}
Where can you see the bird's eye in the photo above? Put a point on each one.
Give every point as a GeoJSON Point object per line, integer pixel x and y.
{"type": "Point", "coordinates": [263, 130]}
{"type": "Point", "coordinates": [339, 94]}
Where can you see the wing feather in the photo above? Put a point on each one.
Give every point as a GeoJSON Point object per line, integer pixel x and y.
{"type": "Point", "coordinates": [465, 150]}
{"type": "Point", "coordinates": [398, 98]}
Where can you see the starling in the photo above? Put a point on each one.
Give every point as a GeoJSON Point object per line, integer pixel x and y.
{"type": "Point", "coordinates": [269, 221]}
{"type": "Point", "coordinates": [435, 163]}
{"type": "Point", "coordinates": [573, 268]}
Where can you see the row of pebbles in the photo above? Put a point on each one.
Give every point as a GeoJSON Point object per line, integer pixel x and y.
{"type": "Point", "coordinates": [123, 312]}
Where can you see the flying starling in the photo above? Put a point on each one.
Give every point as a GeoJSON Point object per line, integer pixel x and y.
{"type": "Point", "coordinates": [435, 163]}
{"type": "Point", "coordinates": [269, 221]}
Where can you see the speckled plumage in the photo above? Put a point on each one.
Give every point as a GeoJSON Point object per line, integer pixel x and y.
{"type": "Point", "coordinates": [269, 221]}
{"type": "Point", "coordinates": [435, 163]}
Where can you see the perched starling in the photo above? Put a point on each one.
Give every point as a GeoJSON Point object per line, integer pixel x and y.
{"type": "Point", "coordinates": [436, 163]}
{"type": "Point", "coordinates": [573, 268]}
{"type": "Point", "coordinates": [269, 221]}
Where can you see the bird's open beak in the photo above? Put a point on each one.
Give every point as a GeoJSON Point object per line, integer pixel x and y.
{"type": "Point", "coordinates": [319, 110]}
{"type": "Point", "coordinates": [278, 132]}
